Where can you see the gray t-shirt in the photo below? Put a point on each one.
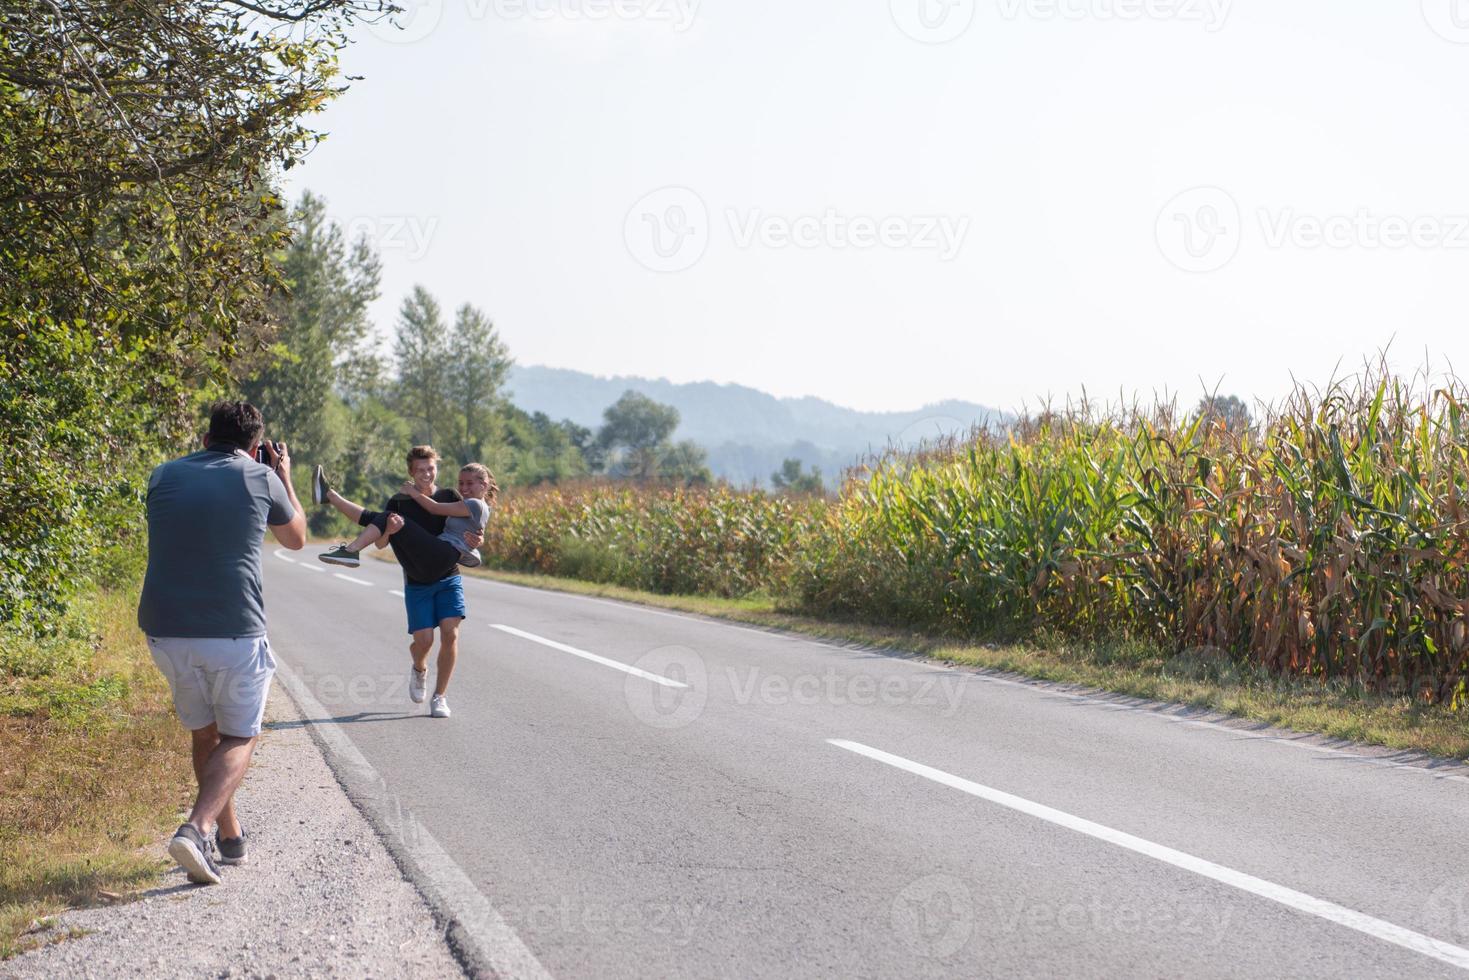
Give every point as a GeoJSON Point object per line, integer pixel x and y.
{"type": "Point", "coordinates": [207, 515]}
{"type": "Point", "coordinates": [454, 527]}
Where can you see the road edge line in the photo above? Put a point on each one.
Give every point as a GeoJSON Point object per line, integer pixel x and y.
{"type": "Point", "coordinates": [480, 938]}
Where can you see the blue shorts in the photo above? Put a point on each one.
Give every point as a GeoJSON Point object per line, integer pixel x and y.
{"type": "Point", "coordinates": [429, 605]}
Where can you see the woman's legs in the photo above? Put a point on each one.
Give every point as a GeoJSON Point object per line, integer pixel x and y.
{"type": "Point", "coordinates": [341, 503]}
{"type": "Point", "coordinates": [369, 535]}
{"type": "Point", "coordinates": [424, 557]}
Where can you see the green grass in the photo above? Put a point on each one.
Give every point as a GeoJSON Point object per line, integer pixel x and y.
{"type": "Point", "coordinates": [1134, 669]}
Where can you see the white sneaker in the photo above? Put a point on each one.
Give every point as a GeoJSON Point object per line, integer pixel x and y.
{"type": "Point", "coordinates": [440, 707]}
{"type": "Point", "coordinates": [417, 685]}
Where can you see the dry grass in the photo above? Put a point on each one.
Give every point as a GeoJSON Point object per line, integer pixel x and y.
{"type": "Point", "coordinates": [94, 767]}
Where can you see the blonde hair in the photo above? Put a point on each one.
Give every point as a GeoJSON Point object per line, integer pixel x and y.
{"type": "Point", "coordinates": [483, 472]}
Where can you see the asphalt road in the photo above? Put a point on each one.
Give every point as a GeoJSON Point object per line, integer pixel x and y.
{"type": "Point", "coordinates": [641, 794]}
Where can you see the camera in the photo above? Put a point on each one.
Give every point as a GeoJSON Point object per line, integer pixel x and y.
{"type": "Point", "coordinates": [262, 455]}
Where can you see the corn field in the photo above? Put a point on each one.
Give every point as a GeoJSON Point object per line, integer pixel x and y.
{"type": "Point", "coordinates": [1328, 540]}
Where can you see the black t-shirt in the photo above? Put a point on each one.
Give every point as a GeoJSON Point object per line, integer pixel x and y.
{"type": "Point", "coordinates": [413, 511]}
{"type": "Point", "coordinates": [425, 564]}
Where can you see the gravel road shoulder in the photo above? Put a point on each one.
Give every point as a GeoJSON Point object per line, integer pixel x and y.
{"type": "Point", "coordinates": [320, 897]}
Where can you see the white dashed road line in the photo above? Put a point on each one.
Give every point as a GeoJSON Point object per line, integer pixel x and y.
{"type": "Point", "coordinates": [1352, 919]}
{"type": "Point", "coordinates": [348, 578]}
{"type": "Point", "coordinates": [594, 658]}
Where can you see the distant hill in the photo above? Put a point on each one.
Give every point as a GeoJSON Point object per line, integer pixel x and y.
{"type": "Point", "coordinates": [748, 432]}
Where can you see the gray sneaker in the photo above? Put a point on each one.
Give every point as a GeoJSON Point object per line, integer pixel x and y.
{"type": "Point", "coordinates": [417, 684]}
{"type": "Point", "coordinates": [341, 555]}
{"type": "Point", "coordinates": [191, 851]}
{"type": "Point", "coordinates": [319, 487]}
{"type": "Point", "coordinates": [231, 849]}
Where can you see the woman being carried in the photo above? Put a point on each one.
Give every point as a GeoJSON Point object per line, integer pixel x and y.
{"type": "Point", "coordinates": [431, 557]}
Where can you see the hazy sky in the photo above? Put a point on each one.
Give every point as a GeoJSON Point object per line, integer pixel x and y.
{"type": "Point", "coordinates": [890, 202]}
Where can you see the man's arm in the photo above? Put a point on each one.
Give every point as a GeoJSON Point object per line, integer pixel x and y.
{"type": "Point", "coordinates": [457, 508]}
{"type": "Point", "coordinates": [292, 534]}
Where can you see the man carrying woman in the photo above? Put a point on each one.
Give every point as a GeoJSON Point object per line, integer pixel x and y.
{"type": "Point", "coordinates": [432, 531]}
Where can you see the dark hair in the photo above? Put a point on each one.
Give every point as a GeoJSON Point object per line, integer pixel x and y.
{"type": "Point", "coordinates": [239, 423]}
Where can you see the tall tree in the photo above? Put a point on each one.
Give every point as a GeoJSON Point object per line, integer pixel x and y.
{"type": "Point", "coordinates": [636, 438]}
{"type": "Point", "coordinates": [635, 430]}
{"type": "Point", "coordinates": [1229, 410]}
{"type": "Point", "coordinates": [138, 233]}
{"type": "Point", "coordinates": [792, 478]}
{"type": "Point", "coordinates": [424, 367]}
{"type": "Point", "coordinates": [323, 347]}
{"type": "Point", "coordinates": [478, 365]}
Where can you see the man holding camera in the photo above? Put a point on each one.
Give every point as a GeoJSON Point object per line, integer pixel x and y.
{"type": "Point", "coordinates": [203, 610]}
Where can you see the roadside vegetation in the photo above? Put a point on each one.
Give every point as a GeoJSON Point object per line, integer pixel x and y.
{"type": "Point", "coordinates": [1308, 568]}
{"type": "Point", "coordinates": [94, 767]}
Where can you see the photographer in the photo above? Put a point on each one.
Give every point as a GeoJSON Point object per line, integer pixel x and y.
{"type": "Point", "coordinates": [203, 610]}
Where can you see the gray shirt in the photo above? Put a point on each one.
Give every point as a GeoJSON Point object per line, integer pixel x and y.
{"type": "Point", "coordinates": [454, 527]}
{"type": "Point", "coordinates": [207, 515]}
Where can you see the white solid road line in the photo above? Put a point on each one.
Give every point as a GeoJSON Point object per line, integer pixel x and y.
{"type": "Point", "coordinates": [1352, 919]}
{"type": "Point", "coordinates": [594, 658]}
{"type": "Point", "coordinates": [354, 581]}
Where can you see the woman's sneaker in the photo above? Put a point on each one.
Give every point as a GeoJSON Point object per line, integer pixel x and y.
{"type": "Point", "coordinates": [341, 555]}
{"type": "Point", "coordinates": [469, 559]}
{"type": "Point", "coordinates": [440, 707]}
{"type": "Point", "coordinates": [191, 851]}
{"type": "Point", "coordinates": [417, 685]}
{"type": "Point", "coordinates": [319, 487]}
{"type": "Point", "coordinates": [231, 849]}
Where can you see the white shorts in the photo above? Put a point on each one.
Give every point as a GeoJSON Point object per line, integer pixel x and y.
{"type": "Point", "coordinates": [220, 681]}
